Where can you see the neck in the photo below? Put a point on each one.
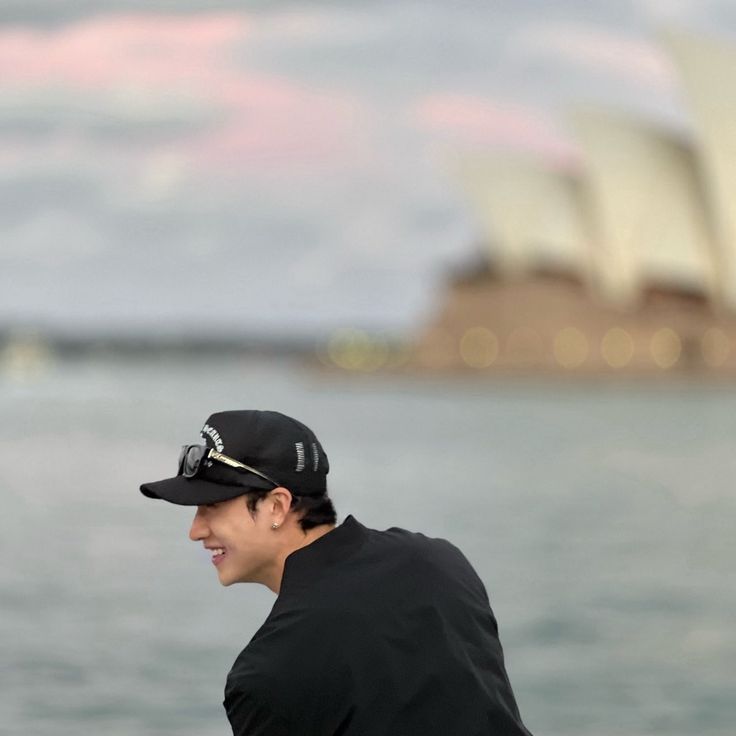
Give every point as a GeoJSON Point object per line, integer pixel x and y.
{"type": "Point", "coordinates": [298, 538]}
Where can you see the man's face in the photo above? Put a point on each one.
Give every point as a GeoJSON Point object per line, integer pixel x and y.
{"type": "Point", "coordinates": [242, 545]}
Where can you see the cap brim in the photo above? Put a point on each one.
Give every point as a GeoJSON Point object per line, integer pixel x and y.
{"type": "Point", "coordinates": [197, 491]}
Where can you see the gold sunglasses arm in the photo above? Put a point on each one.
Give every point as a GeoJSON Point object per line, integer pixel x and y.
{"type": "Point", "coordinates": [215, 455]}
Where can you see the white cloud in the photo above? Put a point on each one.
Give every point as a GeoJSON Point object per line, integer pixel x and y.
{"type": "Point", "coordinates": [128, 113]}
{"type": "Point", "coordinates": [598, 49]}
{"type": "Point", "coordinates": [315, 26]}
{"type": "Point", "coordinates": [53, 237]}
{"type": "Point", "coordinates": [688, 13]}
{"type": "Point", "coordinates": [672, 10]}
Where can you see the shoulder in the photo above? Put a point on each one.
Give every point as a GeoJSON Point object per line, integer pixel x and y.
{"type": "Point", "coordinates": [420, 547]}
{"type": "Point", "coordinates": [430, 557]}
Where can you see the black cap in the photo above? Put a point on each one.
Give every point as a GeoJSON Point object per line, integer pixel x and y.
{"type": "Point", "coordinates": [276, 445]}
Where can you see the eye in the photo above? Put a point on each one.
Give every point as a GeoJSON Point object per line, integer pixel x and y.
{"type": "Point", "coordinates": [212, 505]}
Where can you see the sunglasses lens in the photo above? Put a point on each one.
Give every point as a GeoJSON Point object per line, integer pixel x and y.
{"type": "Point", "coordinates": [190, 459]}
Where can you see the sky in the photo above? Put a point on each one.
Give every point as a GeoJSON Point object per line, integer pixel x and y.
{"type": "Point", "coordinates": [285, 168]}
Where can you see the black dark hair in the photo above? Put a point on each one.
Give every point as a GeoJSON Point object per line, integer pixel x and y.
{"type": "Point", "coordinates": [313, 510]}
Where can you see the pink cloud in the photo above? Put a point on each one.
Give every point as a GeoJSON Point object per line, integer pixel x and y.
{"type": "Point", "coordinates": [605, 50]}
{"type": "Point", "coordinates": [265, 117]}
{"type": "Point", "coordinates": [478, 121]}
{"type": "Point", "coordinates": [130, 49]}
{"type": "Point", "coordinates": [277, 121]}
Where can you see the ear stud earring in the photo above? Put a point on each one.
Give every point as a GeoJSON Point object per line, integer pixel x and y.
{"type": "Point", "coordinates": [275, 525]}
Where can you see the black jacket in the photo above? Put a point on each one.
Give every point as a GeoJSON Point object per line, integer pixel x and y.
{"type": "Point", "coordinates": [375, 634]}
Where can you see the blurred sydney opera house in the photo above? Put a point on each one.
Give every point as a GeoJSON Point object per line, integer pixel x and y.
{"type": "Point", "coordinates": [624, 264]}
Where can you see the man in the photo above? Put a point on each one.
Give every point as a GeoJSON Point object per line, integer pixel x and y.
{"type": "Point", "coordinates": [372, 633]}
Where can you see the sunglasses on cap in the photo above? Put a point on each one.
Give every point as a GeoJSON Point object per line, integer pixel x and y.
{"type": "Point", "coordinates": [192, 457]}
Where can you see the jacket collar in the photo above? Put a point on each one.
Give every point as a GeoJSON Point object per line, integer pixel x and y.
{"type": "Point", "coordinates": [307, 563]}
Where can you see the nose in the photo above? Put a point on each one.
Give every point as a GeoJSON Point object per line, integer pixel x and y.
{"type": "Point", "coordinates": [199, 529]}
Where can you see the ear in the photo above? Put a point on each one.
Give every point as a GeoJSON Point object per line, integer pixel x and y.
{"type": "Point", "coordinates": [279, 504]}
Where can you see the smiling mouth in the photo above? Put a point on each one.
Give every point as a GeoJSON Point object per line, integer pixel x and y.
{"type": "Point", "coordinates": [218, 554]}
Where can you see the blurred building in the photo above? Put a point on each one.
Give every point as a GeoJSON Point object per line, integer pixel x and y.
{"type": "Point", "coordinates": [504, 189]}
{"type": "Point", "coordinates": [625, 265]}
{"type": "Point", "coordinates": [707, 68]}
{"type": "Point", "coordinates": [647, 206]}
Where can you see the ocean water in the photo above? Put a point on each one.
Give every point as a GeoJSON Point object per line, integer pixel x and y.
{"type": "Point", "coordinates": [600, 518]}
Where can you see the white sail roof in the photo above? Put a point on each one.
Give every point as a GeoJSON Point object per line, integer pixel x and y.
{"type": "Point", "coordinates": [648, 207]}
{"type": "Point", "coordinates": [708, 70]}
{"type": "Point", "coordinates": [531, 215]}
